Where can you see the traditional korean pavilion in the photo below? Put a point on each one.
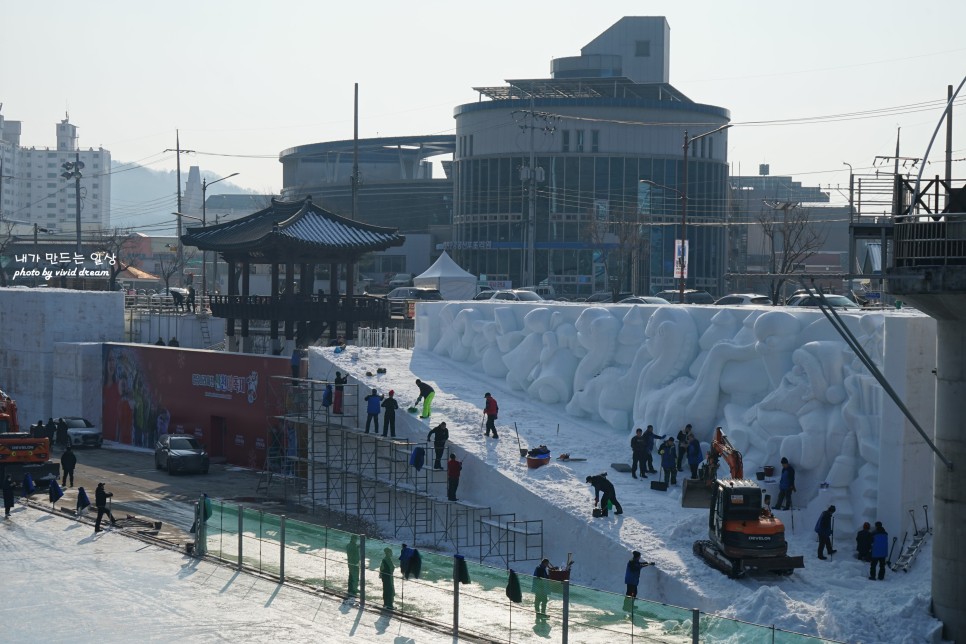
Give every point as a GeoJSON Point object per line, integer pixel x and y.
{"type": "Point", "coordinates": [292, 238]}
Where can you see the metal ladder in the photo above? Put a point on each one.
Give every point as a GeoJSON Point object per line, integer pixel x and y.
{"type": "Point", "coordinates": [906, 559]}
{"type": "Point", "coordinates": [205, 332]}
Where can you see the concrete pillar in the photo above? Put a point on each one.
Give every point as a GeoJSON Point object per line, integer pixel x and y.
{"type": "Point", "coordinates": [948, 563]}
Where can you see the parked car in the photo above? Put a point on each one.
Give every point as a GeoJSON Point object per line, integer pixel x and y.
{"type": "Point", "coordinates": [545, 291]}
{"type": "Point", "coordinates": [691, 296]}
{"type": "Point", "coordinates": [401, 279]}
{"type": "Point", "coordinates": [82, 432]}
{"type": "Point", "coordinates": [180, 453]}
{"type": "Point", "coordinates": [485, 295]}
{"type": "Point", "coordinates": [398, 298]}
{"type": "Point", "coordinates": [743, 299]}
{"type": "Point", "coordinates": [643, 299]}
{"type": "Point", "coordinates": [607, 296]}
{"type": "Point", "coordinates": [836, 301]}
{"type": "Point", "coordinates": [517, 295]}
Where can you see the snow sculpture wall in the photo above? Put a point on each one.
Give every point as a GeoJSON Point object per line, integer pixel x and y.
{"type": "Point", "coordinates": [781, 382]}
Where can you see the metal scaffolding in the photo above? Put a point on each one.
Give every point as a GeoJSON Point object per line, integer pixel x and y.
{"type": "Point", "coordinates": [318, 459]}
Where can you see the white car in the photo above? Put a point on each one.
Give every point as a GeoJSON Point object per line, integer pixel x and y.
{"type": "Point", "coordinates": [82, 433]}
{"type": "Point", "coordinates": [517, 295]}
{"type": "Point", "coordinates": [743, 299]}
{"type": "Point", "coordinates": [835, 301]}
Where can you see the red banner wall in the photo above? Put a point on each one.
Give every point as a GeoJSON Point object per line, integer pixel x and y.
{"type": "Point", "coordinates": [221, 398]}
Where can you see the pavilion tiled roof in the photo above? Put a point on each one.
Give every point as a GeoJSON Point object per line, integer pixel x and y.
{"type": "Point", "coordinates": [293, 231]}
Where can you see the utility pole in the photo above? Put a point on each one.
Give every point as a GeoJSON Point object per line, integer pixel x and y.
{"type": "Point", "coordinates": [355, 155]}
{"type": "Point", "coordinates": [177, 149]}
{"type": "Point", "coordinates": [529, 177]}
{"type": "Point", "coordinates": [949, 143]}
{"type": "Point", "coordinates": [530, 277]}
{"type": "Point", "coordinates": [72, 170]}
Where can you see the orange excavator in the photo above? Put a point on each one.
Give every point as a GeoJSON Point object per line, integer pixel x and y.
{"type": "Point", "coordinates": [21, 453]}
{"type": "Point", "coordinates": [743, 533]}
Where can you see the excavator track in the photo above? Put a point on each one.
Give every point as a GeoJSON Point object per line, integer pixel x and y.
{"type": "Point", "coordinates": [706, 549]}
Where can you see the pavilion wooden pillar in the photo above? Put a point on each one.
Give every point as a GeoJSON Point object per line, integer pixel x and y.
{"type": "Point", "coordinates": [306, 283]}
{"type": "Point", "coordinates": [273, 323]}
{"type": "Point", "coordinates": [289, 304]}
{"type": "Point", "coordinates": [333, 310]}
{"type": "Point", "coordinates": [246, 295]}
{"type": "Point", "coordinates": [232, 291]}
{"type": "Point", "coordinates": [350, 295]}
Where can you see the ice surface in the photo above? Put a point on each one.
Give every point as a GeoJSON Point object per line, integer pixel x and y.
{"type": "Point", "coordinates": [63, 584]}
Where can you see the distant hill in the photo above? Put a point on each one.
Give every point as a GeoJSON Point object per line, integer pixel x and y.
{"type": "Point", "coordinates": [143, 199]}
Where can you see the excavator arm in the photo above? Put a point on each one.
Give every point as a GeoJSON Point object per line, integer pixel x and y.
{"type": "Point", "coordinates": [697, 492]}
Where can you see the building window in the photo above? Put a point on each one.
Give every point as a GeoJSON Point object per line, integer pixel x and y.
{"type": "Point", "coordinates": [565, 141]}
{"type": "Point", "coordinates": [595, 140]}
{"type": "Point", "coordinates": [579, 143]}
{"type": "Point", "coordinates": [710, 147]}
{"type": "Point", "coordinates": [703, 146]}
{"type": "Point", "coordinates": [642, 49]}
{"type": "Point", "coordinates": [470, 153]}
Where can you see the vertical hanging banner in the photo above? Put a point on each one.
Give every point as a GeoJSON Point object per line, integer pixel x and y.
{"type": "Point", "coordinates": [680, 259]}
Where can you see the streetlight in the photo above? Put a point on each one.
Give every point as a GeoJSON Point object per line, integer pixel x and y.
{"type": "Point", "coordinates": [682, 259]}
{"type": "Point", "coordinates": [204, 254]}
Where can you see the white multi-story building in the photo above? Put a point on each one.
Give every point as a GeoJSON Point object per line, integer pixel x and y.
{"type": "Point", "coordinates": [33, 189]}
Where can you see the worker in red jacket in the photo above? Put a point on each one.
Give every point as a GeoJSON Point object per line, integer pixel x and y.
{"type": "Point", "coordinates": [453, 469]}
{"type": "Point", "coordinates": [490, 411]}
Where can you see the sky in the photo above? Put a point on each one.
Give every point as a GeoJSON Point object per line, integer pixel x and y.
{"type": "Point", "coordinates": [244, 80]}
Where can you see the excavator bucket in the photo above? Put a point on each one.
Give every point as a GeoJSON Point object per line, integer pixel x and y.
{"type": "Point", "coordinates": [696, 493]}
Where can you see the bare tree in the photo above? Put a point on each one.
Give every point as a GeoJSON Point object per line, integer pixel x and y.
{"type": "Point", "coordinates": [792, 238]}
{"type": "Point", "coordinates": [617, 235]}
{"type": "Point", "coordinates": [6, 239]}
{"type": "Point", "coordinates": [118, 243]}
{"type": "Point", "coordinates": [169, 265]}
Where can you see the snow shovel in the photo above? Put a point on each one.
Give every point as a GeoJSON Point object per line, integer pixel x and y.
{"type": "Point", "coordinates": [413, 409]}
{"type": "Point", "coordinates": [523, 450]}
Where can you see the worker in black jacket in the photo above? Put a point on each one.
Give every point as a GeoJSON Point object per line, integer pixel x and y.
{"type": "Point", "coordinates": [68, 461]}
{"type": "Point", "coordinates": [441, 435]}
{"type": "Point", "coordinates": [639, 453]}
{"type": "Point", "coordinates": [100, 501]}
{"type": "Point", "coordinates": [604, 492]}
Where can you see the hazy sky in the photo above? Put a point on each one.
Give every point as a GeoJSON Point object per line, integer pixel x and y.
{"type": "Point", "coordinates": [245, 80]}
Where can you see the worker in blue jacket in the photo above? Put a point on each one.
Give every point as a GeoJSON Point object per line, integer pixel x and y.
{"type": "Point", "coordinates": [669, 462]}
{"type": "Point", "coordinates": [373, 404]}
{"type": "Point", "coordinates": [695, 455]}
{"type": "Point", "coordinates": [880, 550]}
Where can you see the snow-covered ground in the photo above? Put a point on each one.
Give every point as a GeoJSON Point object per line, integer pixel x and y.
{"type": "Point", "coordinates": [63, 584]}
{"type": "Point", "coordinates": [832, 598]}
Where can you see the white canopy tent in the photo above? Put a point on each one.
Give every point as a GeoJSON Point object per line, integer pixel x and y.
{"type": "Point", "coordinates": [446, 275]}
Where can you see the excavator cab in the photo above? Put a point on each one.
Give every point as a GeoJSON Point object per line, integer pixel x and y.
{"type": "Point", "coordinates": [742, 533]}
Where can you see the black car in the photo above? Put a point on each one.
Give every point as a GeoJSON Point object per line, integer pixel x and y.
{"type": "Point", "coordinates": [399, 298]}
{"type": "Point", "coordinates": [607, 297]}
{"type": "Point", "coordinates": [180, 453]}
{"type": "Point", "coordinates": [691, 296]}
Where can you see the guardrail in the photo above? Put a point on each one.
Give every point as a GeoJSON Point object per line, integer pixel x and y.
{"type": "Point", "coordinates": [466, 598]}
{"type": "Point", "coordinates": [387, 338]}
